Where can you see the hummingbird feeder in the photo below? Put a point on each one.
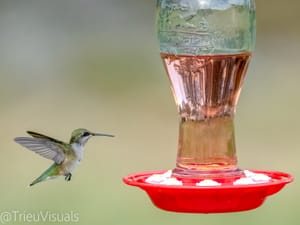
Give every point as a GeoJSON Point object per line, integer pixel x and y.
{"type": "Point", "coordinates": [206, 46]}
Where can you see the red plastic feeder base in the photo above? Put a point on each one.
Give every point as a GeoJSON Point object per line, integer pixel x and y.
{"type": "Point", "coordinates": [226, 197]}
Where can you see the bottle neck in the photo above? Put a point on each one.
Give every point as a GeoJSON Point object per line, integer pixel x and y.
{"type": "Point", "coordinates": [206, 146]}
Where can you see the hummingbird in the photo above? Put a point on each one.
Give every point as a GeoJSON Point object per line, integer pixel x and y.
{"type": "Point", "coordinates": [66, 156]}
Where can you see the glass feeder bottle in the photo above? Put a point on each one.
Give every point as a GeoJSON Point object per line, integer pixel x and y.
{"type": "Point", "coordinates": [206, 47]}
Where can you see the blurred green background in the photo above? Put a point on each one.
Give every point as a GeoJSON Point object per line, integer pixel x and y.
{"type": "Point", "coordinates": [95, 64]}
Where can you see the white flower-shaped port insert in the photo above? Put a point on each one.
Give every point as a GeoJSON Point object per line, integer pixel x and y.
{"type": "Point", "coordinates": [208, 182]}
{"type": "Point", "coordinates": [252, 178]}
{"type": "Point", "coordinates": [165, 178]}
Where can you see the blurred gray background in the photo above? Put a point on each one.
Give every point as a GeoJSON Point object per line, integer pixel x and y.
{"type": "Point", "coordinates": [66, 64]}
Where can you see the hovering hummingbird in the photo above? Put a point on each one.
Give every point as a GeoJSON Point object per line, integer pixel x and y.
{"type": "Point", "coordinates": [66, 156]}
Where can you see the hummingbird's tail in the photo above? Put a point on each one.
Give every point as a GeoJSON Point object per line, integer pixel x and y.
{"type": "Point", "coordinates": [50, 173]}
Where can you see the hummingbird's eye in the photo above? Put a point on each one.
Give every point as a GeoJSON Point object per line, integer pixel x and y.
{"type": "Point", "coordinates": [86, 134]}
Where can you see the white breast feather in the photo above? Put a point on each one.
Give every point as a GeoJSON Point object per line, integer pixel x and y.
{"type": "Point", "coordinates": [78, 149]}
{"type": "Point", "coordinates": [71, 165]}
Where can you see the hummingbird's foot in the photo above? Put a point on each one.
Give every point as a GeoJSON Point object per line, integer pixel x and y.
{"type": "Point", "coordinates": [68, 176]}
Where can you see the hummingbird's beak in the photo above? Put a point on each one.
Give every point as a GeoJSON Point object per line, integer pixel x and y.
{"type": "Point", "coordinates": [99, 134]}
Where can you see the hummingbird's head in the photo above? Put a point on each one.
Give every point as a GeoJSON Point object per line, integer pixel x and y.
{"type": "Point", "coordinates": [81, 136]}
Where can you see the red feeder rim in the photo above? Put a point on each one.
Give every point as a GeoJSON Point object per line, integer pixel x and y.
{"type": "Point", "coordinates": [226, 197]}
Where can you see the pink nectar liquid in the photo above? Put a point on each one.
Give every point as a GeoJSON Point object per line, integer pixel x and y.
{"type": "Point", "coordinates": [206, 91]}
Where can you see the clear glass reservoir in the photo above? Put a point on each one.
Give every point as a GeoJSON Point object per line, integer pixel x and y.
{"type": "Point", "coordinates": [206, 47]}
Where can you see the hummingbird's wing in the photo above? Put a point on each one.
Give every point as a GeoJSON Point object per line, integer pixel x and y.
{"type": "Point", "coordinates": [38, 135]}
{"type": "Point", "coordinates": [44, 146]}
